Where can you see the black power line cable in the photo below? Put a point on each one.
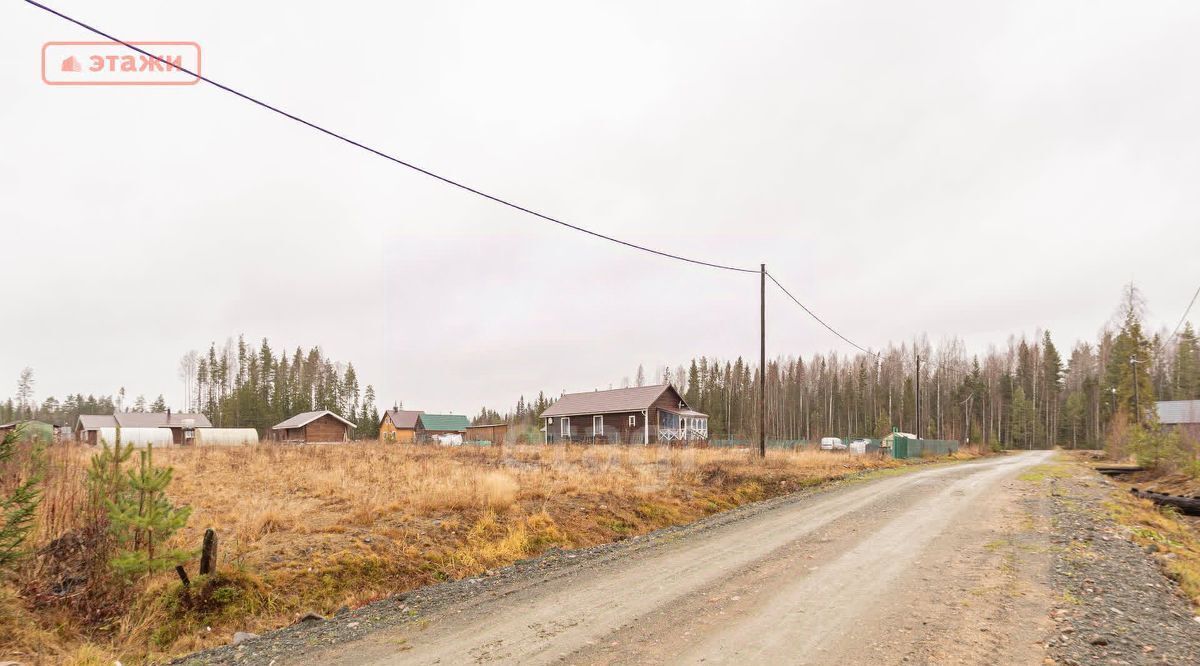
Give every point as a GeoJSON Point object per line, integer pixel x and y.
{"type": "Point", "coordinates": [1184, 317]}
{"type": "Point", "coordinates": [818, 319]}
{"type": "Point", "coordinates": [386, 156]}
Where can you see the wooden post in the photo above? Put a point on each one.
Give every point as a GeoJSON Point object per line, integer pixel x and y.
{"type": "Point", "coordinates": [208, 554]}
{"type": "Point", "coordinates": [762, 362]}
{"type": "Point", "coordinates": [183, 575]}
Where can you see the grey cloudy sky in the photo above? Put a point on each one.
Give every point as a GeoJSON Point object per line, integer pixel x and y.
{"type": "Point", "coordinates": [956, 168]}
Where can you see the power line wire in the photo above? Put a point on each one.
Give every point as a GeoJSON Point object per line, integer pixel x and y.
{"type": "Point", "coordinates": [1184, 317]}
{"type": "Point", "coordinates": [386, 156]}
{"type": "Point", "coordinates": [818, 319]}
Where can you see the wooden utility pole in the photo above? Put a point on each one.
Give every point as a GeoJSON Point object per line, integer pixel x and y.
{"type": "Point", "coordinates": [762, 362]}
{"type": "Point", "coordinates": [917, 414]}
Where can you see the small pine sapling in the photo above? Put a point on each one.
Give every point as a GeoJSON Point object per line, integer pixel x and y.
{"type": "Point", "coordinates": [18, 508]}
{"type": "Point", "coordinates": [143, 519]}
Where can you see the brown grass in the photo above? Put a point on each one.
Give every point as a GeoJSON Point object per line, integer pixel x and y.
{"type": "Point", "coordinates": [317, 527]}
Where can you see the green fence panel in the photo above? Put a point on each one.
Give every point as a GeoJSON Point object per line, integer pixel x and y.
{"type": "Point", "coordinates": [903, 448]}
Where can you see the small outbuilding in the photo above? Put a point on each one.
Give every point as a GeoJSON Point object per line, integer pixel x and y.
{"type": "Point", "coordinates": [399, 425]}
{"type": "Point", "coordinates": [437, 426]}
{"type": "Point", "coordinates": [493, 433]}
{"type": "Point", "coordinates": [318, 426]}
{"type": "Point", "coordinates": [1180, 415]}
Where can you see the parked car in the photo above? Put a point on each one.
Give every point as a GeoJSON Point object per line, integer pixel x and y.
{"type": "Point", "coordinates": [832, 444]}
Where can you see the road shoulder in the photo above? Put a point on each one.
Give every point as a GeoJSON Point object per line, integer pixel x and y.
{"type": "Point", "coordinates": [1115, 604]}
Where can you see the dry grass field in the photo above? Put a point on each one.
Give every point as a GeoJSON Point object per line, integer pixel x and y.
{"type": "Point", "coordinates": [318, 527]}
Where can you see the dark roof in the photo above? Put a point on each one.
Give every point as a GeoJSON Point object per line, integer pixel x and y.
{"type": "Point", "coordinates": [606, 402]}
{"type": "Point", "coordinates": [1174, 412]}
{"type": "Point", "coordinates": [301, 420]}
{"type": "Point", "coordinates": [405, 419]}
{"type": "Point", "coordinates": [445, 422]}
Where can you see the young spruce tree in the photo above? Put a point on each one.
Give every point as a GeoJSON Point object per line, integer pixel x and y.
{"type": "Point", "coordinates": [142, 519]}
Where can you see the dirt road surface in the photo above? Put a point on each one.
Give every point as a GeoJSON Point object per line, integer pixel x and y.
{"type": "Point", "coordinates": [943, 565]}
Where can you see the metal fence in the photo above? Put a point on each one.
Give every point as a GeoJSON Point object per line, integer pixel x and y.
{"type": "Point", "coordinates": [904, 448]}
{"type": "Point", "coordinates": [779, 444]}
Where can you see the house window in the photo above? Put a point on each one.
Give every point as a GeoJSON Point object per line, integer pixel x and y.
{"type": "Point", "coordinates": [632, 421]}
{"type": "Point", "coordinates": [564, 427]}
{"type": "Point", "coordinates": [597, 425]}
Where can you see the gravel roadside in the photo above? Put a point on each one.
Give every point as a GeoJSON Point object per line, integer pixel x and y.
{"type": "Point", "coordinates": [1116, 606]}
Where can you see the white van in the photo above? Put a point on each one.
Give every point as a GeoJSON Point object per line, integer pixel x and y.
{"type": "Point", "coordinates": [832, 444]}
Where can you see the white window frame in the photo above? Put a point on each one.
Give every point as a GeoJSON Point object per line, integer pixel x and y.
{"type": "Point", "coordinates": [564, 426]}
{"type": "Point", "coordinates": [633, 420]}
{"type": "Point", "coordinates": [597, 431]}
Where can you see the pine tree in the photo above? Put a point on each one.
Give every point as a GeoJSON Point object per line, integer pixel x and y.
{"type": "Point", "coordinates": [18, 509]}
{"type": "Point", "coordinates": [142, 519]}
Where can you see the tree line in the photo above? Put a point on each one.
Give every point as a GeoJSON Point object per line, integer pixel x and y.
{"type": "Point", "coordinates": [234, 385]}
{"type": "Point", "coordinates": [237, 385]}
{"type": "Point", "coordinates": [1025, 394]}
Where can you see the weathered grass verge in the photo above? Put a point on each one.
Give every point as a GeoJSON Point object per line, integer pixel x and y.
{"type": "Point", "coordinates": [320, 527]}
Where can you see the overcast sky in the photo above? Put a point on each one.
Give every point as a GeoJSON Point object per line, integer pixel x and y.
{"type": "Point", "coordinates": [968, 169]}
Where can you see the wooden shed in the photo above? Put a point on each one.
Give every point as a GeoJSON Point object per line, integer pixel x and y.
{"type": "Point", "coordinates": [493, 432]}
{"type": "Point", "coordinates": [319, 426]}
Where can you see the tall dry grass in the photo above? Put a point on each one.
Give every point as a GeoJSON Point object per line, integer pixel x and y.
{"type": "Point", "coordinates": [315, 527]}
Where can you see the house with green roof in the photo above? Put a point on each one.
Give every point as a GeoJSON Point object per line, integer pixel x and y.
{"type": "Point", "coordinates": [439, 425]}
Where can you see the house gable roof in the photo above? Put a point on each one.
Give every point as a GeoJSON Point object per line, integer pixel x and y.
{"type": "Point", "coordinates": [631, 399]}
{"type": "Point", "coordinates": [140, 420]}
{"type": "Point", "coordinates": [160, 419]}
{"type": "Point", "coordinates": [405, 419]}
{"type": "Point", "coordinates": [444, 422]}
{"type": "Point", "coordinates": [305, 418]}
{"type": "Point", "coordinates": [95, 421]}
{"type": "Point", "coordinates": [1176, 412]}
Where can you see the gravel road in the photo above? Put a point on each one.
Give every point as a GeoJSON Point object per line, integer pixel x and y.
{"type": "Point", "coordinates": [947, 564]}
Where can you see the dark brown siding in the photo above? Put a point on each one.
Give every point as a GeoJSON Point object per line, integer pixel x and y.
{"type": "Point", "coordinates": [616, 428]}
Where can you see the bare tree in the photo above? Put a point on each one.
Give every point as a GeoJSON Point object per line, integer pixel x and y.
{"type": "Point", "coordinates": [25, 385]}
{"type": "Point", "coordinates": [187, 372]}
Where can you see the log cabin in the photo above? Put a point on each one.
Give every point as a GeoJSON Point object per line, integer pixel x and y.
{"type": "Point", "coordinates": [319, 426]}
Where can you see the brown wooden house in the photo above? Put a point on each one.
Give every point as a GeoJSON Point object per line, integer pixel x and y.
{"type": "Point", "coordinates": [638, 415]}
{"type": "Point", "coordinates": [319, 426]}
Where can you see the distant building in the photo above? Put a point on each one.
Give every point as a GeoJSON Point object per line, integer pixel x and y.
{"type": "Point", "coordinates": [6, 428]}
{"type": "Point", "coordinates": [641, 414]}
{"type": "Point", "coordinates": [318, 426]}
{"type": "Point", "coordinates": [399, 425]}
{"type": "Point", "coordinates": [439, 426]}
{"type": "Point", "coordinates": [87, 426]}
{"type": "Point", "coordinates": [1183, 415]}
